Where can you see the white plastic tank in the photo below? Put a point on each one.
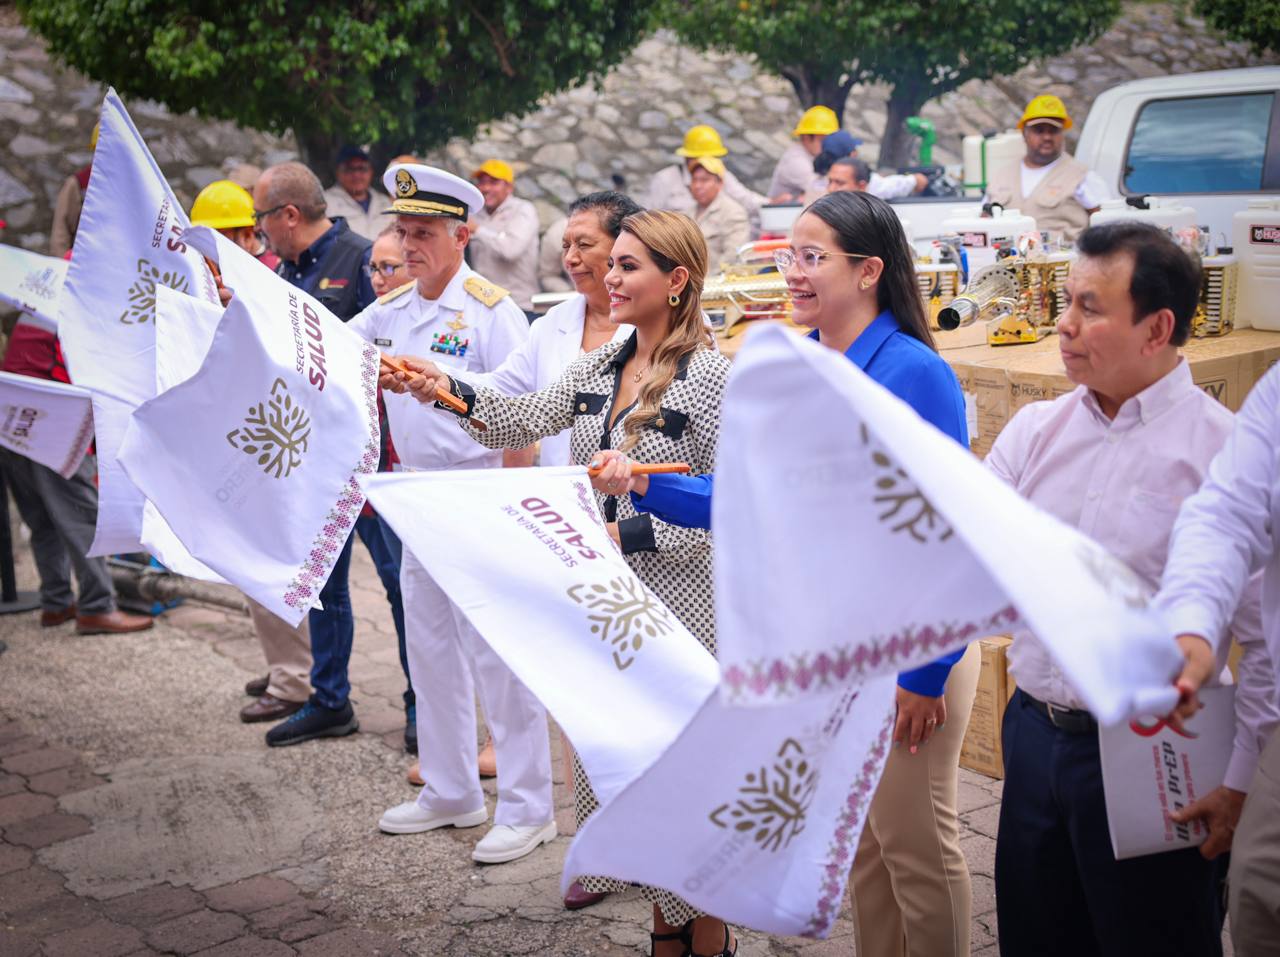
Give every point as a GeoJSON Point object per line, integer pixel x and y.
{"type": "Point", "coordinates": [997, 150]}
{"type": "Point", "coordinates": [1166, 212]}
{"type": "Point", "coordinates": [1255, 240]}
{"type": "Point", "coordinates": [980, 234]}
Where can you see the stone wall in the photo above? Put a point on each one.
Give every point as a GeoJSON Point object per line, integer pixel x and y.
{"type": "Point", "coordinates": [628, 124]}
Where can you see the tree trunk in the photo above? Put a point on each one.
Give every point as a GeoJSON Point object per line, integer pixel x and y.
{"type": "Point", "coordinates": [815, 88]}
{"type": "Point", "coordinates": [896, 149]}
{"type": "Point", "coordinates": [319, 150]}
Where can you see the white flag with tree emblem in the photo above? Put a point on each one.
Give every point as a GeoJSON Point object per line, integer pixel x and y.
{"type": "Point", "coordinates": [32, 283]}
{"type": "Point", "coordinates": [853, 541]}
{"type": "Point", "coordinates": [523, 553]}
{"type": "Point", "coordinates": [129, 241]}
{"type": "Point", "coordinates": [253, 459]}
{"type": "Point", "coordinates": [48, 422]}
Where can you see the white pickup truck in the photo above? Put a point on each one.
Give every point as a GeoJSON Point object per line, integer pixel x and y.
{"type": "Point", "coordinates": [1211, 140]}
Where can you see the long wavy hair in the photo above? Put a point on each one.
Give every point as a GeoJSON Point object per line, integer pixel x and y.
{"type": "Point", "coordinates": [672, 239]}
{"type": "Point", "coordinates": [868, 225]}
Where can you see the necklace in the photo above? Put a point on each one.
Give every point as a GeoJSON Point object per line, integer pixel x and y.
{"type": "Point", "coordinates": [639, 375]}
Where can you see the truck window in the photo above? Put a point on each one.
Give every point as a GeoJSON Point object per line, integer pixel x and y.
{"type": "Point", "coordinates": [1204, 144]}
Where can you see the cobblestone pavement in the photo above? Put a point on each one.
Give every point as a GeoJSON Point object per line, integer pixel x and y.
{"type": "Point", "coordinates": [139, 816]}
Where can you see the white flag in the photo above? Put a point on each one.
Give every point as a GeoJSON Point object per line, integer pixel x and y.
{"type": "Point", "coordinates": [524, 555]}
{"type": "Point", "coordinates": [32, 283]}
{"type": "Point", "coordinates": [128, 242]}
{"type": "Point", "coordinates": [252, 460]}
{"type": "Point", "coordinates": [184, 332]}
{"type": "Point", "coordinates": [853, 541]}
{"type": "Point", "coordinates": [48, 422]}
{"type": "Point", "coordinates": [890, 544]}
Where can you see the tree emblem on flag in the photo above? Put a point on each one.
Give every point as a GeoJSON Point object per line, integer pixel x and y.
{"type": "Point", "coordinates": [276, 431]}
{"type": "Point", "coordinates": [625, 613]}
{"type": "Point", "coordinates": [39, 282]}
{"type": "Point", "coordinates": [141, 305]}
{"type": "Point", "coordinates": [904, 503]}
{"type": "Point", "coordinates": [772, 802]}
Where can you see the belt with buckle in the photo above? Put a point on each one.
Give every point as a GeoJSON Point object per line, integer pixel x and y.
{"type": "Point", "coordinates": [1070, 720]}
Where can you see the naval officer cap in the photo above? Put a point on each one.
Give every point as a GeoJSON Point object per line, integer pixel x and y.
{"type": "Point", "coordinates": [418, 190]}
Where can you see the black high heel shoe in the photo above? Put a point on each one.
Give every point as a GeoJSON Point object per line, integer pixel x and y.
{"type": "Point", "coordinates": [681, 935]}
{"type": "Point", "coordinates": [730, 944]}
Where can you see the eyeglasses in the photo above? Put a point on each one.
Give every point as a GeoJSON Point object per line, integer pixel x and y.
{"type": "Point", "coordinates": [260, 214]}
{"type": "Point", "coordinates": [808, 259]}
{"type": "Point", "coordinates": [386, 269]}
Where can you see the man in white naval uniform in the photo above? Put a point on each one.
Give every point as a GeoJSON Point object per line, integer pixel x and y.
{"type": "Point", "coordinates": [461, 321]}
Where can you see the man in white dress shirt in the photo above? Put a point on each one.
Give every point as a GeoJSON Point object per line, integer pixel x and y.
{"type": "Point", "coordinates": [504, 234]}
{"type": "Point", "coordinates": [466, 323]}
{"type": "Point", "coordinates": [1226, 533]}
{"type": "Point", "coordinates": [1115, 458]}
{"type": "Point", "coordinates": [352, 196]}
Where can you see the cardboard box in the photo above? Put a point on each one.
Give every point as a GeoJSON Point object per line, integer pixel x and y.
{"type": "Point", "coordinates": [982, 751]}
{"type": "Point", "coordinates": [1002, 379]}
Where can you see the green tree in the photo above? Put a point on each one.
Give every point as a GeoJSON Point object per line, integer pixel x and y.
{"type": "Point", "coordinates": [920, 48]}
{"type": "Point", "coordinates": [1256, 22]}
{"type": "Point", "coordinates": [404, 76]}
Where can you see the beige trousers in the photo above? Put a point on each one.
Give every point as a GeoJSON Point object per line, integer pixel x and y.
{"type": "Point", "coordinates": [288, 654]}
{"type": "Point", "coordinates": [1254, 895]}
{"type": "Point", "coordinates": [911, 892]}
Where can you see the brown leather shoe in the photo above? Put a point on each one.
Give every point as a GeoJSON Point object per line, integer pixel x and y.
{"type": "Point", "coordinates": [487, 761]}
{"type": "Point", "coordinates": [112, 623]}
{"type": "Point", "coordinates": [52, 619]}
{"type": "Point", "coordinates": [268, 708]}
{"type": "Point", "coordinates": [257, 687]}
{"type": "Point", "coordinates": [414, 776]}
{"type": "Point", "coordinates": [578, 897]}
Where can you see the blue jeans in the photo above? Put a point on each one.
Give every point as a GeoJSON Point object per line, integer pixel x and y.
{"type": "Point", "coordinates": [385, 550]}
{"type": "Point", "coordinates": [332, 633]}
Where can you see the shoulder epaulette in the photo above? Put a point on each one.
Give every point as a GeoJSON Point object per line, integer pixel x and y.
{"type": "Point", "coordinates": [487, 292]}
{"type": "Point", "coordinates": [398, 291]}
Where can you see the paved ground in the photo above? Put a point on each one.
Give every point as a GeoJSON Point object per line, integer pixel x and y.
{"type": "Point", "coordinates": [139, 816]}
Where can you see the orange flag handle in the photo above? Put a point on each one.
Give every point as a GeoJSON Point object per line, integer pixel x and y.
{"type": "Point", "coordinates": [443, 396]}
{"type": "Point", "coordinates": [652, 468]}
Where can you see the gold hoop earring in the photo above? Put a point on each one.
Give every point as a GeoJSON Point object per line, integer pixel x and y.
{"type": "Point", "coordinates": [673, 300]}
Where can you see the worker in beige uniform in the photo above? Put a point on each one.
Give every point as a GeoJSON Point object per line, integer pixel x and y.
{"type": "Point", "coordinates": [66, 210]}
{"type": "Point", "coordinates": [669, 188]}
{"type": "Point", "coordinates": [1048, 184]}
{"type": "Point", "coordinates": [504, 234]}
{"type": "Point", "coordinates": [794, 175]}
{"type": "Point", "coordinates": [722, 220]}
{"type": "Point", "coordinates": [353, 197]}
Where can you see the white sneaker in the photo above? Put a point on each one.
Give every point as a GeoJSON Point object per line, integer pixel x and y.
{"type": "Point", "coordinates": [409, 818]}
{"type": "Point", "coordinates": [506, 842]}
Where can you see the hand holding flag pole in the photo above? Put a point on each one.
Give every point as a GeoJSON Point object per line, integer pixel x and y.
{"type": "Point", "coordinates": [443, 396]}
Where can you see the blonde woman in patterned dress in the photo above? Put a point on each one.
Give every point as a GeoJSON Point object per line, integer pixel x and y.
{"type": "Point", "coordinates": [655, 396]}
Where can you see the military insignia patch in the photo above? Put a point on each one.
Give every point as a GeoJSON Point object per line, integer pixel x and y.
{"type": "Point", "coordinates": [488, 293]}
{"type": "Point", "coordinates": [405, 185]}
{"type": "Point", "coordinates": [448, 344]}
{"type": "Point", "coordinates": [456, 324]}
{"type": "Point", "coordinates": [334, 283]}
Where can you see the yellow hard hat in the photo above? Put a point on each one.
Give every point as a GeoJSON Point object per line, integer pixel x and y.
{"type": "Point", "coordinates": [817, 121]}
{"type": "Point", "coordinates": [712, 164]}
{"type": "Point", "coordinates": [223, 205]}
{"type": "Point", "coordinates": [93, 137]}
{"type": "Point", "coordinates": [702, 141]}
{"type": "Point", "coordinates": [1048, 108]}
{"type": "Point", "coordinates": [497, 169]}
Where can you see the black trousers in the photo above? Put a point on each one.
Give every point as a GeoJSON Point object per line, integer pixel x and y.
{"type": "Point", "coordinates": [1059, 888]}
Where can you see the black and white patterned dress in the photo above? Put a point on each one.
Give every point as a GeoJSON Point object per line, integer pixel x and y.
{"type": "Point", "coordinates": [674, 562]}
